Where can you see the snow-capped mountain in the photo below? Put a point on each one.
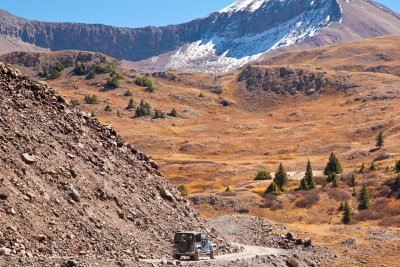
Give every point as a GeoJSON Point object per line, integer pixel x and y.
{"type": "Point", "coordinates": [224, 40]}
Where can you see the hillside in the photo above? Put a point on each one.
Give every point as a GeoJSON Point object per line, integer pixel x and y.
{"type": "Point", "coordinates": [71, 187]}
{"type": "Point", "coordinates": [222, 41]}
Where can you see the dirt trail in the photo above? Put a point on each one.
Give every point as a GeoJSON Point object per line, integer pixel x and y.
{"type": "Point", "coordinates": [247, 253]}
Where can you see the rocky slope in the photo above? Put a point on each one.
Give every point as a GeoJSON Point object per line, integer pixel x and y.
{"type": "Point", "coordinates": [70, 187]}
{"type": "Point", "coordinates": [225, 39]}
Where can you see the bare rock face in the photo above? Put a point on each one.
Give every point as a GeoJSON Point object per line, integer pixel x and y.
{"type": "Point", "coordinates": [287, 80]}
{"type": "Point", "coordinates": [107, 201]}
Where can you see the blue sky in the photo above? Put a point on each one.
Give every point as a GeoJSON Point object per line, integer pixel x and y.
{"type": "Point", "coordinates": [128, 13]}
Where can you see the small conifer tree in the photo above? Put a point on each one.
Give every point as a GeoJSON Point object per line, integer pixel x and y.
{"type": "Point", "coordinates": [173, 113]}
{"type": "Point", "coordinates": [335, 182]}
{"type": "Point", "coordinates": [346, 219]}
{"type": "Point", "coordinates": [331, 177]}
{"type": "Point", "coordinates": [108, 108]}
{"type": "Point", "coordinates": [91, 75]}
{"type": "Point", "coordinates": [362, 168]}
{"type": "Point", "coordinates": [372, 167]}
{"type": "Point", "coordinates": [273, 189]}
{"type": "Point", "coordinates": [353, 180]}
{"type": "Point", "coordinates": [131, 104]}
{"type": "Point", "coordinates": [333, 165]}
{"type": "Point", "coordinates": [309, 177]}
{"type": "Point", "coordinates": [281, 178]}
{"type": "Point", "coordinates": [228, 190]}
{"type": "Point", "coordinates": [341, 207]}
{"type": "Point", "coordinates": [380, 140]}
{"type": "Point", "coordinates": [397, 166]}
{"type": "Point", "coordinates": [263, 175]}
{"type": "Point", "coordinates": [128, 93]}
{"type": "Point", "coordinates": [304, 184]}
{"type": "Point", "coordinates": [364, 198]}
{"type": "Point", "coordinates": [184, 190]}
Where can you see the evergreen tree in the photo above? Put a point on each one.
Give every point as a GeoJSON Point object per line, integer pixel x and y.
{"type": "Point", "coordinates": [380, 140]}
{"type": "Point", "coordinates": [372, 167]}
{"type": "Point", "coordinates": [309, 176]}
{"type": "Point", "coordinates": [364, 198]}
{"type": "Point", "coordinates": [362, 168]}
{"type": "Point", "coordinates": [281, 178]}
{"type": "Point", "coordinates": [201, 94]}
{"type": "Point", "coordinates": [353, 180]}
{"type": "Point", "coordinates": [144, 109]}
{"type": "Point", "coordinates": [79, 69]}
{"type": "Point", "coordinates": [304, 184]}
{"type": "Point", "coordinates": [131, 104]}
{"type": "Point", "coordinates": [333, 165]}
{"type": "Point", "coordinates": [228, 189]}
{"type": "Point", "coordinates": [341, 207]}
{"type": "Point", "coordinates": [108, 108]}
{"type": "Point", "coordinates": [396, 184]}
{"type": "Point", "coordinates": [397, 166]}
{"type": "Point", "coordinates": [273, 189]}
{"type": "Point", "coordinates": [346, 219]}
{"type": "Point", "coordinates": [173, 113]}
{"type": "Point", "coordinates": [128, 93]}
{"type": "Point", "coordinates": [158, 114]}
{"type": "Point", "coordinates": [387, 169]}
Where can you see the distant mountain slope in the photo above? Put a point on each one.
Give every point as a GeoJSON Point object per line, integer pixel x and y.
{"type": "Point", "coordinates": [224, 40]}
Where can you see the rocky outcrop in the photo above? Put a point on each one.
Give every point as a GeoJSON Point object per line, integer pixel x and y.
{"type": "Point", "coordinates": [282, 80]}
{"type": "Point", "coordinates": [71, 187]}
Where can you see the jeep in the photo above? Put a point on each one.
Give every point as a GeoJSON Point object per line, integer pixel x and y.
{"type": "Point", "coordinates": [193, 245]}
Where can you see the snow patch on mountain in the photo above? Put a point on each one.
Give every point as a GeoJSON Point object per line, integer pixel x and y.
{"type": "Point", "coordinates": [239, 5]}
{"type": "Point", "coordinates": [223, 52]}
{"type": "Point", "coordinates": [199, 56]}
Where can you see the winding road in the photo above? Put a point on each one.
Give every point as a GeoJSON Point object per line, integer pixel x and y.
{"type": "Point", "coordinates": [248, 253]}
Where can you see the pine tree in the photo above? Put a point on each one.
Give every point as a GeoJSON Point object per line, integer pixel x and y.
{"type": "Point", "coordinates": [173, 113]}
{"type": "Point", "coordinates": [281, 178]}
{"type": "Point", "coordinates": [131, 104]}
{"type": "Point", "coordinates": [362, 168]}
{"type": "Point", "coordinates": [397, 166]}
{"type": "Point", "coordinates": [304, 184]}
{"type": "Point", "coordinates": [273, 189]}
{"type": "Point", "coordinates": [346, 219]}
{"type": "Point", "coordinates": [128, 93]}
{"type": "Point", "coordinates": [353, 180]}
{"type": "Point", "coordinates": [91, 75]}
{"type": "Point", "coordinates": [372, 167]}
{"type": "Point", "coordinates": [354, 193]}
{"type": "Point", "coordinates": [333, 165]}
{"type": "Point", "coordinates": [341, 207]}
{"type": "Point", "coordinates": [228, 189]}
{"type": "Point", "coordinates": [380, 140]}
{"type": "Point", "coordinates": [364, 198]}
{"type": "Point", "coordinates": [309, 176]}
{"type": "Point", "coordinates": [108, 108]}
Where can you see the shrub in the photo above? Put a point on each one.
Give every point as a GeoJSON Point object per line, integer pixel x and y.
{"type": "Point", "coordinates": [372, 167]}
{"type": "Point", "coordinates": [75, 102]}
{"type": "Point", "coordinates": [144, 82]}
{"type": "Point", "coordinates": [308, 199]}
{"type": "Point", "coordinates": [108, 108]}
{"type": "Point", "coordinates": [92, 114]}
{"type": "Point", "coordinates": [58, 67]}
{"type": "Point", "coordinates": [173, 113]}
{"type": "Point", "coordinates": [144, 109]}
{"type": "Point", "coordinates": [92, 100]}
{"type": "Point", "coordinates": [263, 175]}
{"type": "Point", "coordinates": [43, 74]}
{"type": "Point", "coordinates": [79, 69]}
{"type": "Point", "coordinates": [333, 165]}
{"type": "Point", "coordinates": [54, 74]}
{"type": "Point", "coordinates": [91, 75]}
{"type": "Point", "coordinates": [149, 89]}
{"type": "Point", "coordinates": [184, 190]}
{"type": "Point", "coordinates": [128, 93]}
{"type": "Point", "coordinates": [201, 94]}
{"type": "Point", "coordinates": [335, 182]}
{"type": "Point", "coordinates": [276, 205]}
{"type": "Point", "coordinates": [362, 168]}
{"type": "Point", "coordinates": [228, 189]}
{"type": "Point", "coordinates": [113, 82]}
{"type": "Point", "coordinates": [99, 69]}
{"type": "Point", "coordinates": [353, 182]}
{"type": "Point", "coordinates": [338, 194]}
{"type": "Point", "coordinates": [158, 114]}
{"type": "Point", "coordinates": [119, 115]}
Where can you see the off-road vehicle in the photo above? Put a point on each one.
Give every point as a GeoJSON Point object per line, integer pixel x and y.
{"type": "Point", "coordinates": [193, 245]}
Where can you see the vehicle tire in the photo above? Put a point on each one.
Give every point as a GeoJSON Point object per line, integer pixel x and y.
{"type": "Point", "coordinates": [212, 256]}
{"type": "Point", "coordinates": [196, 256]}
{"type": "Point", "coordinates": [177, 257]}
